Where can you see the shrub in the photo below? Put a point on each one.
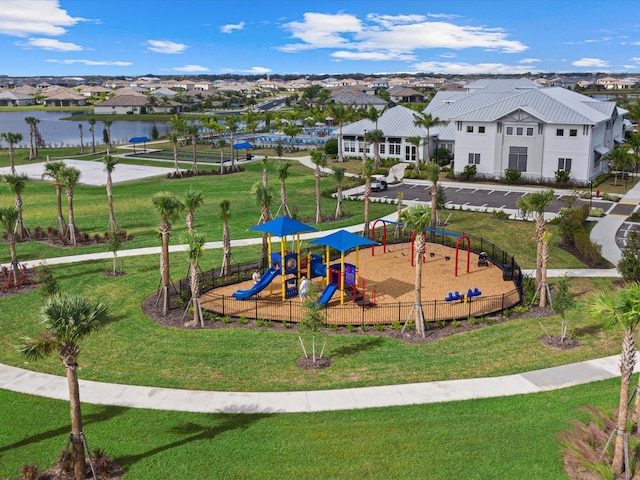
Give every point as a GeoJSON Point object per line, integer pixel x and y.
{"type": "Point", "coordinates": [48, 283]}
{"type": "Point", "coordinates": [596, 212]}
{"type": "Point", "coordinates": [243, 320]}
{"type": "Point", "coordinates": [629, 264]}
{"type": "Point", "coordinates": [331, 147]}
{"type": "Point", "coordinates": [589, 250]}
{"type": "Point", "coordinates": [396, 325]}
{"type": "Point", "coordinates": [471, 320]}
{"type": "Point", "coordinates": [469, 172]}
{"type": "Point", "coordinates": [512, 175]}
{"type": "Point", "coordinates": [350, 328]}
{"type": "Point", "coordinates": [562, 176]}
{"type": "Point", "coordinates": [500, 215]}
{"type": "Point", "coordinates": [455, 323]}
{"type": "Point", "coordinates": [379, 327]}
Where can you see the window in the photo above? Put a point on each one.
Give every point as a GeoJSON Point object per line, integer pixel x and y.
{"type": "Point", "coordinates": [518, 158]}
{"type": "Point", "coordinates": [564, 164]}
{"type": "Point", "coordinates": [382, 149]}
{"type": "Point", "coordinates": [573, 132]}
{"type": "Point", "coordinates": [519, 131]}
{"type": "Point", "coordinates": [509, 130]}
{"type": "Point", "coordinates": [481, 129]}
{"type": "Point", "coordinates": [469, 128]}
{"type": "Point", "coordinates": [499, 127]}
{"type": "Point", "coordinates": [394, 146]}
{"type": "Point", "coordinates": [410, 153]}
{"type": "Point", "coordinates": [529, 131]}
{"type": "Point", "coordinates": [474, 159]}
{"type": "Point", "coordinates": [560, 132]}
{"type": "Point", "coordinates": [349, 146]}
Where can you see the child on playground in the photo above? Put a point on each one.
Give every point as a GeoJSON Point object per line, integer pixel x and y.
{"type": "Point", "coordinates": [256, 278]}
{"type": "Point", "coordinates": [304, 288]}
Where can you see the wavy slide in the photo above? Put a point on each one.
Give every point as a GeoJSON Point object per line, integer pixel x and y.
{"type": "Point", "coordinates": [266, 279]}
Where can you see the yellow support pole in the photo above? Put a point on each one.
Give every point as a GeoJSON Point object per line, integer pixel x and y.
{"type": "Point", "coordinates": [341, 278]}
{"type": "Point", "coordinates": [328, 261]}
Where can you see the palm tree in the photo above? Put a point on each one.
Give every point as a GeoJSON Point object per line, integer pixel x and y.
{"type": "Point", "coordinates": [9, 220]}
{"type": "Point", "coordinates": [195, 250]}
{"type": "Point", "coordinates": [634, 110]}
{"type": "Point", "coordinates": [225, 216]}
{"type": "Point", "coordinates": [109, 165]}
{"type": "Point", "coordinates": [263, 197]}
{"type": "Point", "coordinates": [92, 129]}
{"type": "Point", "coordinates": [319, 159]}
{"type": "Point", "coordinates": [620, 159]}
{"type": "Point", "coordinates": [107, 126]}
{"type": "Point", "coordinates": [192, 130]}
{"type": "Point", "coordinates": [623, 309]}
{"type": "Point", "coordinates": [231, 124]}
{"type": "Point", "coordinates": [338, 173]}
{"type": "Point", "coordinates": [193, 200]}
{"type": "Point", "coordinates": [168, 208]}
{"type": "Point", "coordinates": [69, 177]}
{"type": "Point", "coordinates": [417, 218]}
{"type": "Point", "coordinates": [67, 320]}
{"type": "Point", "coordinates": [53, 170]}
{"type": "Point", "coordinates": [17, 183]}
{"type": "Point", "coordinates": [398, 227]}
{"type": "Point", "coordinates": [81, 139]}
{"type": "Point", "coordinates": [415, 141]}
{"type": "Point", "coordinates": [283, 174]}
{"type": "Point", "coordinates": [33, 143]}
{"type": "Point", "coordinates": [537, 203]}
{"type": "Point", "coordinates": [367, 172]}
{"type": "Point", "coordinates": [433, 174]}
{"type": "Point", "coordinates": [174, 139]}
{"type": "Point", "coordinates": [221, 144]}
{"type": "Point", "coordinates": [340, 113]}
{"type": "Point", "coordinates": [12, 139]}
{"type": "Point", "coordinates": [376, 137]}
{"type": "Point", "coordinates": [265, 171]}
{"type": "Point", "coordinates": [543, 270]}
{"type": "Point", "coordinates": [427, 121]}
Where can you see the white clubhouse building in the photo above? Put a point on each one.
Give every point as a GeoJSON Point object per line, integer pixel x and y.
{"type": "Point", "coordinates": [500, 124]}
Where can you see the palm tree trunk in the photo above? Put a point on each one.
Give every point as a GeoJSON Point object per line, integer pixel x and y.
{"type": "Point", "coordinates": [417, 306]}
{"type": "Point", "coordinates": [164, 267]}
{"type": "Point", "coordinates": [72, 226]}
{"type": "Point", "coordinates": [190, 222]}
{"type": "Point", "coordinates": [339, 205]}
{"type": "Point", "coordinates": [543, 274]}
{"type": "Point", "coordinates": [540, 227]}
{"type": "Point", "coordinates": [283, 198]}
{"type": "Point", "coordinates": [340, 152]}
{"type": "Point", "coordinates": [627, 362]}
{"type": "Point", "coordinates": [12, 159]}
{"type": "Point", "coordinates": [61, 223]}
{"type": "Point", "coordinates": [195, 294]}
{"type": "Point", "coordinates": [367, 194]}
{"type": "Point", "coordinates": [226, 248]}
{"type": "Point", "coordinates": [318, 211]}
{"type": "Point", "coordinates": [194, 167]}
{"type": "Point", "coordinates": [21, 229]}
{"type": "Point", "coordinates": [434, 206]}
{"type": "Point", "coordinates": [113, 227]}
{"type": "Point", "coordinates": [14, 257]}
{"type": "Point", "coordinates": [176, 167]}
{"type": "Point", "coordinates": [79, 463]}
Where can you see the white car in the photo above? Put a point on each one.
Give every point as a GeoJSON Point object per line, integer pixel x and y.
{"type": "Point", "coordinates": [378, 183]}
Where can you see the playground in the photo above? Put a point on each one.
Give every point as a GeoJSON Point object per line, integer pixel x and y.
{"type": "Point", "coordinates": [377, 286]}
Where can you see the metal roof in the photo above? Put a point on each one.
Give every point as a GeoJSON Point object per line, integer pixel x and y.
{"type": "Point", "coordinates": [394, 122]}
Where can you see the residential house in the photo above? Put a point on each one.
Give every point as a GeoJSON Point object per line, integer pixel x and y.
{"type": "Point", "coordinates": [405, 95]}
{"type": "Point", "coordinates": [63, 97]}
{"type": "Point", "coordinates": [361, 100]}
{"type": "Point", "coordinates": [135, 105]}
{"type": "Point", "coordinates": [10, 98]}
{"type": "Point", "coordinates": [500, 124]}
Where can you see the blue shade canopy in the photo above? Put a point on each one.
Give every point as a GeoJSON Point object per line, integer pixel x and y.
{"type": "Point", "coordinates": [283, 226]}
{"type": "Point", "coordinates": [138, 139]}
{"type": "Point", "coordinates": [240, 146]}
{"type": "Point", "coordinates": [343, 240]}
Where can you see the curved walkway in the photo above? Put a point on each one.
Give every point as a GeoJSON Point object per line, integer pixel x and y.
{"type": "Point", "coordinates": [52, 386]}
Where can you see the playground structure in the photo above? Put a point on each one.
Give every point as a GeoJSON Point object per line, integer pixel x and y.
{"type": "Point", "coordinates": [386, 282]}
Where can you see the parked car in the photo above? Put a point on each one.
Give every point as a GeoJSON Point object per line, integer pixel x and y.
{"type": "Point", "coordinates": [378, 183]}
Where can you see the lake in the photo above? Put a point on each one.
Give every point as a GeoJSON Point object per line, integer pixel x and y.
{"type": "Point", "coordinates": [56, 132]}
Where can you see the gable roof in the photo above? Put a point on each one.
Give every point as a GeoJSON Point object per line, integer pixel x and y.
{"type": "Point", "coordinates": [394, 122]}
{"type": "Point", "coordinates": [124, 101]}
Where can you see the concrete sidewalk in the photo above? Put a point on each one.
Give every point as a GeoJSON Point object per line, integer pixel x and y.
{"type": "Point", "coordinates": [155, 398]}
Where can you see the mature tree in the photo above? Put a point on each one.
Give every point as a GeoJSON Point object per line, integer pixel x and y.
{"type": "Point", "coordinates": [373, 114]}
{"type": "Point", "coordinates": [33, 137]}
{"type": "Point", "coordinates": [263, 197]}
{"type": "Point", "coordinates": [195, 250]}
{"type": "Point", "coordinates": [433, 174]}
{"type": "Point", "coordinates": [634, 110]}
{"type": "Point", "coordinates": [623, 308]}
{"type": "Point", "coordinates": [69, 177]}
{"type": "Point", "coordinates": [81, 139]}
{"type": "Point", "coordinates": [375, 137]}
{"type": "Point", "coordinates": [193, 200]}
{"type": "Point", "coordinates": [621, 161]}
{"type": "Point", "coordinates": [367, 173]}
{"type": "Point", "coordinates": [109, 165]}
{"type": "Point", "coordinates": [283, 174]}
{"type": "Point", "coordinates": [427, 121]}
{"type": "Point", "coordinates": [92, 129]}
{"type": "Point", "coordinates": [225, 216]}
{"type": "Point", "coordinates": [338, 173]}
{"type": "Point", "coordinates": [174, 139]}
{"type": "Point", "coordinates": [9, 220]}
{"type": "Point", "coordinates": [537, 203]}
{"type": "Point", "coordinates": [291, 130]}
{"type": "Point", "coordinates": [417, 218]}
{"type": "Point", "coordinates": [319, 159]}
{"type": "Point", "coordinates": [12, 139]}
{"type": "Point", "coordinates": [67, 320]}
{"type": "Point", "coordinates": [107, 127]}
{"type": "Point", "coordinates": [168, 208]}
{"type": "Point", "coordinates": [54, 171]}
{"type": "Point", "coordinates": [192, 130]}
{"type": "Point", "coordinates": [415, 141]}
{"type": "Point", "coordinates": [17, 183]}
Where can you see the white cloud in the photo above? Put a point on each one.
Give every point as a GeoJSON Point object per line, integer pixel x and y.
{"type": "Point", "coordinates": [22, 18]}
{"type": "Point", "coordinates": [191, 68]}
{"type": "Point", "coordinates": [530, 60]}
{"type": "Point", "coordinates": [164, 46]}
{"type": "Point", "coordinates": [590, 62]}
{"type": "Point", "coordinates": [90, 62]}
{"type": "Point", "coordinates": [471, 68]}
{"type": "Point", "coordinates": [371, 56]}
{"type": "Point", "coordinates": [319, 30]}
{"type": "Point", "coordinates": [51, 44]}
{"type": "Point", "coordinates": [635, 59]}
{"type": "Point", "coordinates": [230, 27]}
{"type": "Point", "coordinates": [252, 70]}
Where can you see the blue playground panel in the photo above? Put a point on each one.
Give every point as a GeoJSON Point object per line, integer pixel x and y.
{"type": "Point", "coordinates": [456, 296]}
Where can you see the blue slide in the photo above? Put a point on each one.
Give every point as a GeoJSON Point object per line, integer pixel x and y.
{"type": "Point", "coordinates": [266, 279]}
{"type": "Point", "coordinates": [327, 293]}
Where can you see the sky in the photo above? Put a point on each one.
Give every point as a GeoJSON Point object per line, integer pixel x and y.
{"type": "Point", "coordinates": [257, 37]}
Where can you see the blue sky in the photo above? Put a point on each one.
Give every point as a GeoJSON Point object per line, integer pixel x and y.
{"type": "Point", "coordinates": [190, 37]}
